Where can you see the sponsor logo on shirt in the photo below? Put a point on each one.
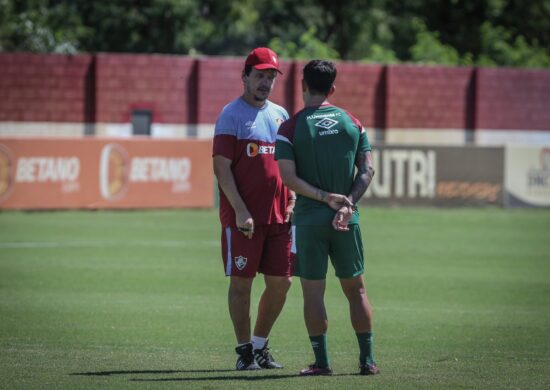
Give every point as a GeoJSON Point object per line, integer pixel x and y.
{"type": "Point", "coordinates": [252, 149]}
{"type": "Point", "coordinates": [329, 115]}
{"type": "Point", "coordinates": [327, 124]}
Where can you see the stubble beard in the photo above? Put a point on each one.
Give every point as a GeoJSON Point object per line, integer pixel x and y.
{"type": "Point", "coordinates": [261, 96]}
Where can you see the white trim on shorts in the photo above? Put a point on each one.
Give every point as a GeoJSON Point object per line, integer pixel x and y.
{"type": "Point", "coordinates": [293, 235]}
{"type": "Point", "coordinates": [228, 239]}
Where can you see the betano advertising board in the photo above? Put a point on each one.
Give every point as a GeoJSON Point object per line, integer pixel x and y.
{"type": "Point", "coordinates": [143, 173]}
{"type": "Point", "coordinates": [105, 173]}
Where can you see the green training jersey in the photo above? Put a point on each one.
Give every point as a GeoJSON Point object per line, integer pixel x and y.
{"type": "Point", "coordinates": [323, 142]}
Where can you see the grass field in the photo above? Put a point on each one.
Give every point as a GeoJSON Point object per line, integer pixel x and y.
{"type": "Point", "coordinates": [116, 300]}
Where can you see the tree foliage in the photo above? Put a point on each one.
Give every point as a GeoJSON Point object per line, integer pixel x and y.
{"type": "Point", "coordinates": [451, 32]}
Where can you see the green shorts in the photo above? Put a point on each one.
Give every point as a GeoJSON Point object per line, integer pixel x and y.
{"type": "Point", "coordinates": [314, 244]}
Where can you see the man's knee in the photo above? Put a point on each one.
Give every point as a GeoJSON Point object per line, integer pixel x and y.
{"type": "Point", "coordinates": [354, 288]}
{"type": "Point", "coordinates": [278, 284]}
{"type": "Point", "coordinates": [240, 287]}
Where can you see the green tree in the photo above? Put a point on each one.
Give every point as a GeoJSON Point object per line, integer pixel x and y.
{"type": "Point", "coordinates": [307, 47]}
{"type": "Point", "coordinates": [40, 26]}
{"type": "Point", "coordinates": [451, 32]}
{"type": "Point", "coordinates": [501, 48]}
{"type": "Point", "coordinates": [142, 26]}
{"type": "Point", "coordinates": [428, 49]}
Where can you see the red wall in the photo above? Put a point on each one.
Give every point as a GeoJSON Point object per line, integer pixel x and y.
{"type": "Point", "coordinates": [220, 82]}
{"type": "Point", "coordinates": [360, 89]}
{"type": "Point", "coordinates": [184, 90]}
{"type": "Point", "coordinates": [44, 88]}
{"type": "Point", "coordinates": [428, 97]}
{"type": "Point", "coordinates": [159, 83]}
{"type": "Point", "coordinates": [513, 99]}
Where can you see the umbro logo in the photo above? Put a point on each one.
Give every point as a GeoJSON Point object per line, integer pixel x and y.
{"type": "Point", "coordinates": [326, 123]}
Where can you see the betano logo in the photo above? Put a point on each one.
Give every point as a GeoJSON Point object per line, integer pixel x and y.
{"type": "Point", "coordinates": [43, 169]}
{"type": "Point", "coordinates": [113, 171]}
{"type": "Point", "coordinates": [252, 149]}
{"type": "Point", "coordinates": [6, 172]}
{"type": "Point", "coordinates": [117, 171]}
{"type": "Point", "coordinates": [160, 169]}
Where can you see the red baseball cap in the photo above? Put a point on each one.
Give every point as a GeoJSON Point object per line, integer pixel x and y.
{"type": "Point", "coordinates": [263, 58]}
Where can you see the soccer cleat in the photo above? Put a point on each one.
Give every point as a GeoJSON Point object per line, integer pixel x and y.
{"type": "Point", "coordinates": [314, 370]}
{"type": "Point", "coordinates": [264, 358]}
{"type": "Point", "coordinates": [246, 360]}
{"type": "Point", "coordinates": [368, 369]}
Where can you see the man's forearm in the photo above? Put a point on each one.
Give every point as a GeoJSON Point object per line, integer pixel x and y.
{"type": "Point", "coordinates": [227, 183]}
{"type": "Point", "coordinates": [300, 186]}
{"type": "Point", "coordinates": [287, 168]}
{"type": "Point", "coordinates": [363, 178]}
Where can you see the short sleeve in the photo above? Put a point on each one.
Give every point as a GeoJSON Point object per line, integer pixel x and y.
{"type": "Point", "coordinates": [224, 145]}
{"type": "Point", "coordinates": [225, 136]}
{"type": "Point", "coordinates": [225, 124]}
{"type": "Point", "coordinates": [364, 145]}
{"type": "Point", "coordinates": [283, 150]}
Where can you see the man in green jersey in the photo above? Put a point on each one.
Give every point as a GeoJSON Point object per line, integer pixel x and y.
{"type": "Point", "coordinates": [318, 151]}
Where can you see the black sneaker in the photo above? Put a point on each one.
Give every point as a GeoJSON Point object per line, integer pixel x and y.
{"type": "Point", "coordinates": [246, 360]}
{"type": "Point", "coordinates": [264, 358]}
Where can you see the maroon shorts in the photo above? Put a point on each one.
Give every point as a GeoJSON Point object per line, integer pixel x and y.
{"type": "Point", "coordinates": [268, 252]}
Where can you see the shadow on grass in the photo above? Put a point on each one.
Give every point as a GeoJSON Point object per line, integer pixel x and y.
{"type": "Point", "coordinates": [189, 379]}
{"type": "Point", "coordinates": [109, 373]}
{"type": "Point", "coordinates": [218, 378]}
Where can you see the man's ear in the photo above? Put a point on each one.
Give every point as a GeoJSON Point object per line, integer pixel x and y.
{"type": "Point", "coordinates": [304, 85]}
{"type": "Point", "coordinates": [332, 89]}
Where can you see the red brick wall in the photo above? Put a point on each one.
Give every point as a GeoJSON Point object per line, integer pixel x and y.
{"type": "Point", "coordinates": [220, 82]}
{"type": "Point", "coordinates": [360, 90]}
{"type": "Point", "coordinates": [428, 97]}
{"type": "Point", "coordinates": [184, 90]}
{"type": "Point", "coordinates": [43, 88]}
{"type": "Point", "coordinates": [161, 83]}
{"type": "Point", "coordinates": [296, 90]}
{"type": "Point", "coordinates": [513, 99]}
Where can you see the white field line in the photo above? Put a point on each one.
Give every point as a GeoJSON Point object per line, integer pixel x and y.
{"type": "Point", "coordinates": [107, 244]}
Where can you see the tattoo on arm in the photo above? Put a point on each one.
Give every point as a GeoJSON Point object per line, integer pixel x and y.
{"type": "Point", "coordinates": [321, 194]}
{"type": "Point", "coordinates": [365, 172]}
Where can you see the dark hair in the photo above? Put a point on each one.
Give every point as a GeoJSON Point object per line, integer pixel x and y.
{"type": "Point", "coordinates": [319, 76]}
{"type": "Point", "coordinates": [247, 69]}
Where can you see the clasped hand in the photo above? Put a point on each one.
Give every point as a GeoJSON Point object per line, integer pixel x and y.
{"type": "Point", "coordinates": [344, 211]}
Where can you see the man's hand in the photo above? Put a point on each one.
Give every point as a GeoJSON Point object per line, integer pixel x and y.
{"type": "Point", "coordinates": [337, 201]}
{"type": "Point", "coordinates": [289, 212]}
{"type": "Point", "coordinates": [245, 223]}
{"type": "Point", "coordinates": [342, 218]}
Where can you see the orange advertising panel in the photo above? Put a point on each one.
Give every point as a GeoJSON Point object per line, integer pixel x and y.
{"type": "Point", "coordinates": [105, 173]}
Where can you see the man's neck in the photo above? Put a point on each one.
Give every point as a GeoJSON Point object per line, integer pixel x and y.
{"type": "Point", "coordinates": [253, 102]}
{"type": "Point", "coordinates": [316, 100]}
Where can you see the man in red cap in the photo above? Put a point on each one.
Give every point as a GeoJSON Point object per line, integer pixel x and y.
{"type": "Point", "coordinates": [255, 207]}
